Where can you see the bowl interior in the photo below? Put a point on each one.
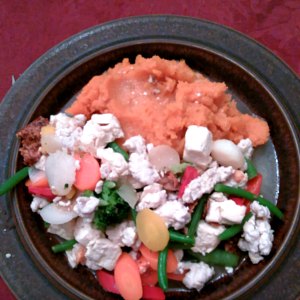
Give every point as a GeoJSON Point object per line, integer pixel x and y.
{"type": "Point", "coordinates": [276, 162]}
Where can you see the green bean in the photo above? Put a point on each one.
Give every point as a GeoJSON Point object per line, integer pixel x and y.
{"type": "Point", "coordinates": [174, 245]}
{"type": "Point", "coordinates": [181, 238]}
{"type": "Point", "coordinates": [11, 182]}
{"type": "Point", "coordinates": [251, 170]}
{"type": "Point", "coordinates": [247, 195]}
{"type": "Point", "coordinates": [217, 257]}
{"type": "Point", "coordinates": [162, 269]}
{"type": "Point", "coordinates": [133, 215]}
{"type": "Point", "coordinates": [234, 229]}
{"type": "Point", "coordinates": [64, 246]}
{"type": "Point", "coordinates": [118, 149]}
{"type": "Point", "coordinates": [196, 216]}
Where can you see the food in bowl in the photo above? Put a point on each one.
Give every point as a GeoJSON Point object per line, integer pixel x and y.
{"type": "Point", "coordinates": [144, 191]}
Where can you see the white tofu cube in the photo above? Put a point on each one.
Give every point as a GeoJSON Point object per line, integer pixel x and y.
{"type": "Point", "coordinates": [198, 144]}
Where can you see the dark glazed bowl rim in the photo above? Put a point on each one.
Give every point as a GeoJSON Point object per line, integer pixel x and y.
{"type": "Point", "coordinates": [256, 60]}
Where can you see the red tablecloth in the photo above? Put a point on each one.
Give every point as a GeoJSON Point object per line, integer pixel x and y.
{"type": "Point", "coordinates": [29, 28]}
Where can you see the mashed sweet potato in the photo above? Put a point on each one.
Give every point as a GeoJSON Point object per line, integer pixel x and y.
{"type": "Point", "coordinates": [159, 99]}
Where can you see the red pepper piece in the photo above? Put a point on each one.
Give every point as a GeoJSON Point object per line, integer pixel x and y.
{"type": "Point", "coordinates": [189, 174]}
{"type": "Point", "coordinates": [254, 184]}
{"type": "Point", "coordinates": [107, 281]}
{"type": "Point", "coordinates": [44, 192]}
{"type": "Point", "coordinates": [153, 293]}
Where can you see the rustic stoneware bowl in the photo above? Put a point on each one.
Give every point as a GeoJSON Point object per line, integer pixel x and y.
{"type": "Point", "coordinates": [260, 83]}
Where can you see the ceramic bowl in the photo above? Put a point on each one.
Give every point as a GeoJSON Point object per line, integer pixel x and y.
{"type": "Point", "coordinates": [259, 82]}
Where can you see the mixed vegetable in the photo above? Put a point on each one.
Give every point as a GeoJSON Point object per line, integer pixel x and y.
{"type": "Point", "coordinates": [141, 216]}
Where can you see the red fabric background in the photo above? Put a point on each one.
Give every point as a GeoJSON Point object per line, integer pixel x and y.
{"type": "Point", "coordinates": [29, 28]}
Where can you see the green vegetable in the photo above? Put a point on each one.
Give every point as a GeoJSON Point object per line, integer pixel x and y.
{"type": "Point", "coordinates": [181, 238]}
{"type": "Point", "coordinates": [88, 193]}
{"type": "Point", "coordinates": [118, 149]}
{"type": "Point", "coordinates": [64, 246]}
{"type": "Point", "coordinates": [11, 182]}
{"type": "Point", "coordinates": [234, 229]}
{"type": "Point", "coordinates": [133, 214]}
{"type": "Point", "coordinates": [217, 257]}
{"type": "Point", "coordinates": [247, 195]}
{"type": "Point", "coordinates": [174, 245]}
{"type": "Point", "coordinates": [112, 209]}
{"type": "Point", "coordinates": [196, 216]}
{"type": "Point", "coordinates": [251, 170]}
{"type": "Point", "coordinates": [162, 269]}
{"type": "Point", "coordinates": [179, 168]}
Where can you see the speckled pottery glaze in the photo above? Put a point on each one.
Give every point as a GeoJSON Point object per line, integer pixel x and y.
{"type": "Point", "coordinates": [260, 83]}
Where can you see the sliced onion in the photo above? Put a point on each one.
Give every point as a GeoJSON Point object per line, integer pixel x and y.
{"type": "Point", "coordinates": [226, 153]}
{"type": "Point", "coordinates": [163, 157]}
{"type": "Point", "coordinates": [55, 214]}
{"type": "Point", "coordinates": [128, 194]}
{"type": "Point", "coordinates": [36, 174]}
{"type": "Point", "coordinates": [60, 171]}
{"type": "Point", "coordinates": [50, 143]}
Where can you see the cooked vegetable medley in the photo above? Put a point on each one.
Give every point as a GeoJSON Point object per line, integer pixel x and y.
{"type": "Point", "coordinates": [143, 215]}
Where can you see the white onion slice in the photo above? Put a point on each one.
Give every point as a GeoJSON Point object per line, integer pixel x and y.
{"type": "Point", "coordinates": [60, 170]}
{"type": "Point", "coordinates": [226, 153]}
{"type": "Point", "coordinates": [36, 174]}
{"type": "Point", "coordinates": [55, 214]}
{"type": "Point", "coordinates": [163, 157]}
{"type": "Point", "coordinates": [128, 193]}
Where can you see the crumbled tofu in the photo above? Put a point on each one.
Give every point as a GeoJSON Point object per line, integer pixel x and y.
{"type": "Point", "coordinates": [237, 179]}
{"type": "Point", "coordinates": [66, 230]}
{"type": "Point", "coordinates": [113, 164]}
{"type": "Point", "coordinates": [225, 212]}
{"type": "Point", "coordinates": [257, 237]}
{"type": "Point", "coordinates": [38, 203]}
{"type": "Point", "coordinates": [198, 275]}
{"type": "Point", "coordinates": [205, 183]}
{"type": "Point", "coordinates": [84, 232]}
{"type": "Point", "coordinates": [85, 206]}
{"type": "Point", "coordinates": [207, 237]}
{"type": "Point", "coordinates": [142, 170]}
{"type": "Point", "coordinates": [100, 130]}
{"type": "Point", "coordinates": [102, 253]}
{"type": "Point", "coordinates": [178, 254]}
{"type": "Point", "coordinates": [68, 129]}
{"type": "Point", "coordinates": [123, 234]}
{"type": "Point", "coordinates": [246, 147]}
{"type": "Point", "coordinates": [152, 196]}
{"type": "Point", "coordinates": [174, 213]}
{"type": "Point", "coordinates": [76, 255]}
{"type": "Point", "coordinates": [136, 144]}
{"type": "Point", "coordinates": [198, 144]}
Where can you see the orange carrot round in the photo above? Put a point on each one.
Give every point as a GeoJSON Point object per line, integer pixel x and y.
{"type": "Point", "coordinates": [88, 174]}
{"type": "Point", "coordinates": [152, 257]}
{"type": "Point", "coordinates": [128, 278]}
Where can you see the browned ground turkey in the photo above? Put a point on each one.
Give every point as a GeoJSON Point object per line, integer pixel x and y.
{"type": "Point", "coordinates": [30, 140]}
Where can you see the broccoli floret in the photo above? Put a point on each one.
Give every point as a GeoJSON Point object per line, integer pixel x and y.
{"type": "Point", "coordinates": [115, 209]}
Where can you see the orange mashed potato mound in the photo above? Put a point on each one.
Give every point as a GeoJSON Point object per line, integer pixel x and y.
{"type": "Point", "coordinates": [159, 99]}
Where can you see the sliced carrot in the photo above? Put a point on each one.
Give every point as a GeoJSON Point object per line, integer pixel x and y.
{"type": "Point", "coordinates": [176, 277]}
{"type": "Point", "coordinates": [128, 278]}
{"type": "Point", "coordinates": [152, 257]}
{"type": "Point", "coordinates": [150, 277]}
{"type": "Point", "coordinates": [88, 174]}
